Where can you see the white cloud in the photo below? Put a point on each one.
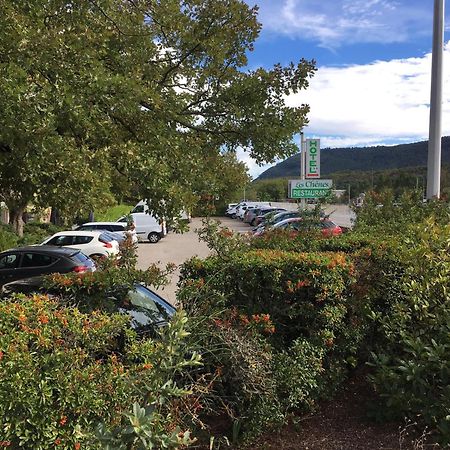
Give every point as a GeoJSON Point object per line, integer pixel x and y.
{"type": "Point", "coordinates": [385, 102]}
{"type": "Point", "coordinates": [378, 102]}
{"type": "Point", "coordinates": [334, 22]}
{"type": "Point", "coordinates": [254, 168]}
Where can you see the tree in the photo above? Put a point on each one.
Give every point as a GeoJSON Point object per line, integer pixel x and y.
{"type": "Point", "coordinates": [151, 92]}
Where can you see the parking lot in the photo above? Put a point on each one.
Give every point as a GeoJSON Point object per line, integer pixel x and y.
{"type": "Point", "coordinates": [177, 248]}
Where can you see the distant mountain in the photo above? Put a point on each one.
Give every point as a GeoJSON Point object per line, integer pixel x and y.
{"type": "Point", "coordinates": [362, 159]}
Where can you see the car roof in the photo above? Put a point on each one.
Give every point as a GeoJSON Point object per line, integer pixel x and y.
{"type": "Point", "coordinates": [65, 251]}
{"type": "Point", "coordinates": [289, 220]}
{"type": "Point", "coordinates": [300, 219]}
{"type": "Point", "coordinates": [103, 223]}
{"type": "Point", "coordinates": [285, 213]}
{"type": "Point", "coordinates": [78, 233]}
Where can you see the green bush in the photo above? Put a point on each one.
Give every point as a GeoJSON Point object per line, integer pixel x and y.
{"type": "Point", "coordinates": [304, 309]}
{"type": "Point", "coordinates": [382, 213]}
{"type": "Point", "coordinates": [305, 294]}
{"type": "Point", "coordinates": [238, 362]}
{"type": "Point", "coordinates": [412, 360]}
{"type": "Point", "coordinates": [283, 327]}
{"type": "Point", "coordinates": [8, 239]}
{"type": "Point", "coordinates": [35, 232]}
{"type": "Point", "coordinates": [62, 373]}
{"type": "Point", "coordinates": [298, 372]}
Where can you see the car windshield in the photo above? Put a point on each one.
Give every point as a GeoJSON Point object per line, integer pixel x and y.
{"type": "Point", "coordinates": [111, 235]}
{"type": "Point", "coordinates": [283, 216]}
{"type": "Point", "coordinates": [81, 258]}
{"type": "Point", "coordinates": [328, 224]}
{"type": "Point", "coordinates": [146, 309]}
{"type": "Point", "coordinates": [106, 236]}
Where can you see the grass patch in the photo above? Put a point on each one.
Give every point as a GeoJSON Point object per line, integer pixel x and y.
{"type": "Point", "coordinates": [113, 213]}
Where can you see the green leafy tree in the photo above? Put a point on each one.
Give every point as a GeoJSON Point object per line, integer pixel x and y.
{"type": "Point", "coordinates": [142, 93]}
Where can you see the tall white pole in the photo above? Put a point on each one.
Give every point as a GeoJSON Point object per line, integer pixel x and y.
{"type": "Point", "coordinates": [434, 143]}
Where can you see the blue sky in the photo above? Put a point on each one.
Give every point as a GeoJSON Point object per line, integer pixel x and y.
{"type": "Point", "coordinates": [374, 67]}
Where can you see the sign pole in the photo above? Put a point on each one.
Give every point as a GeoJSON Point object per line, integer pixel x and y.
{"type": "Point", "coordinates": [302, 164]}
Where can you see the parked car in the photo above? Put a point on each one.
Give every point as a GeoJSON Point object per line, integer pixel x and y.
{"type": "Point", "coordinates": [263, 213]}
{"type": "Point", "coordinates": [251, 213]}
{"type": "Point", "coordinates": [243, 206]}
{"type": "Point", "coordinates": [146, 309]}
{"type": "Point", "coordinates": [95, 244]}
{"type": "Point", "coordinates": [283, 216]}
{"type": "Point", "coordinates": [231, 209]}
{"type": "Point", "coordinates": [33, 260]}
{"type": "Point", "coordinates": [118, 229]}
{"type": "Point", "coordinates": [296, 224]}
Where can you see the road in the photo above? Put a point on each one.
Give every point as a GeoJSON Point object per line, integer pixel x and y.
{"type": "Point", "coordinates": [177, 248]}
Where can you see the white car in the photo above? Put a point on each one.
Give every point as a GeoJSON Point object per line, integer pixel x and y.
{"type": "Point", "coordinates": [94, 244]}
{"type": "Point", "coordinates": [118, 229]}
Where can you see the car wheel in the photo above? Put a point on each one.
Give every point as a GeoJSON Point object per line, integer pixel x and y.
{"type": "Point", "coordinates": [153, 238]}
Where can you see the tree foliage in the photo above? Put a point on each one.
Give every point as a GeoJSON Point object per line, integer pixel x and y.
{"type": "Point", "coordinates": [134, 95]}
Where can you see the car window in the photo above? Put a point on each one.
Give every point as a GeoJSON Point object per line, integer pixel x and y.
{"type": "Point", "coordinates": [116, 228]}
{"type": "Point", "coordinates": [80, 240]}
{"type": "Point", "coordinates": [85, 228]}
{"type": "Point", "coordinates": [138, 209]}
{"type": "Point", "coordinates": [36, 260]}
{"type": "Point", "coordinates": [60, 240]}
{"type": "Point", "coordinates": [10, 261]}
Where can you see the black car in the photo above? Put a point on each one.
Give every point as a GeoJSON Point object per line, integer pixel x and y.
{"type": "Point", "coordinates": [146, 309]}
{"type": "Point", "coordinates": [24, 262]}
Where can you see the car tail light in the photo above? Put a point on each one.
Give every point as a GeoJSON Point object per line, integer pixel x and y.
{"type": "Point", "coordinates": [80, 269]}
{"type": "Point", "coordinates": [105, 243]}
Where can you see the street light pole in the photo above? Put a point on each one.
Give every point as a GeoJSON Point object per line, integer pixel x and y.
{"type": "Point", "coordinates": [434, 143]}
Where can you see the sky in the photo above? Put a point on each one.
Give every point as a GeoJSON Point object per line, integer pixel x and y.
{"type": "Point", "coordinates": [373, 57]}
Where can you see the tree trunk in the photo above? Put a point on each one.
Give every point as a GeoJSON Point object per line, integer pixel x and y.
{"type": "Point", "coordinates": [55, 218]}
{"type": "Point", "coordinates": [16, 220]}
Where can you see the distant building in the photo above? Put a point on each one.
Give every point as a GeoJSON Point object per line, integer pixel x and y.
{"type": "Point", "coordinates": [4, 213]}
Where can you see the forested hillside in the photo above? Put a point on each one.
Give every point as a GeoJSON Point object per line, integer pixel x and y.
{"type": "Point", "coordinates": [362, 159]}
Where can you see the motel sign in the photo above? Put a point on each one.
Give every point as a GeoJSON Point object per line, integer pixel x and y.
{"type": "Point", "coordinates": [312, 158]}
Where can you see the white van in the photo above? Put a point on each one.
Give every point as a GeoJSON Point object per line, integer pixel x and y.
{"type": "Point", "coordinates": [147, 227]}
